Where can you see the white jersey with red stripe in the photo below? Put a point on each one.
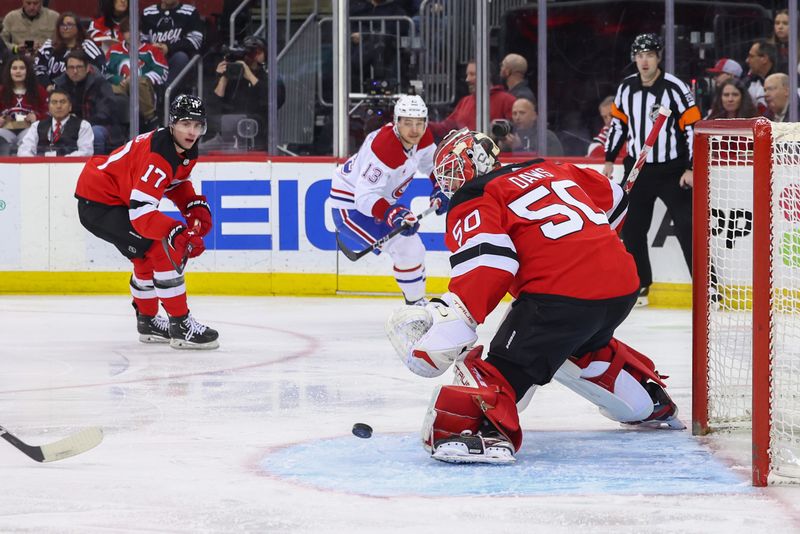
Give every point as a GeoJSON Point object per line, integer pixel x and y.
{"type": "Point", "coordinates": [378, 174]}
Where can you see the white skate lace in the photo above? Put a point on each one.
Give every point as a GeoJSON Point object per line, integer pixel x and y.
{"type": "Point", "coordinates": [194, 328]}
{"type": "Point", "coordinates": [161, 323]}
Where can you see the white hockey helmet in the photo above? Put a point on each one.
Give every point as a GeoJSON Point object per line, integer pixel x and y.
{"type": "Point", "coordinates": [410, 106]}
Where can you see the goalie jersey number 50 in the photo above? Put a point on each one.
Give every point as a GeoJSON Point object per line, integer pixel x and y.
{"type": "Point", "coordinates": [561, 202]}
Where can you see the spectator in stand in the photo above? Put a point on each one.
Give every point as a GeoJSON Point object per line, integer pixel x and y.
{"type": "Point", "coordinates": [176, 29]}
{"type": "Point", "coordinates": [780, 38]}
{"type": "Point", "coordinates": [597, 149]}
{"type": "Point", "coordinates": [242, 87]}
{"type": "Point", "coordinates": [153, 71]}
{"type": "Point", "coordinates": [26, 29]}
{"type": "Point", "coordinates": [60, 133]}
{"type": "Point", "coordinates": [776, 90]}
{"type": "Point", "coordinates": [91, 99]}
{"type": "Point", "coordinates": [732, 101]}
{"type": "Point", "coordinates": [761, 60]}
{"type": "Point", "coordinates": [524, 136]}
{"type": "Point", "coordinates": [67, 37]}
{"type": "Point", "coordinates": [463, 116]}
{"type": "Point", "coordinates": [105, 29]}
{"type": "Point", "coordinates": [513, 71]}
{"type": "Point", "coordinates": [22, 102]}
{"type": "Point", "coordinates": [725, 69]}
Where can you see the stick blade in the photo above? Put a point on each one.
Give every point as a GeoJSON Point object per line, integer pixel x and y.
{"type": "Point", "coordinates": [349, 254]}
{"type": "Point", "coordinates": [77, 443]}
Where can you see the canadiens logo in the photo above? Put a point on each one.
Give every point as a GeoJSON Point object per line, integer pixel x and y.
{"type": "Point", "coordinates": [654, 111]}
{"type": "Point", "coordinates": [397, 193]}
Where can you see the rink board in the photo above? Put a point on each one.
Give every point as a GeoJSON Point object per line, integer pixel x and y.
{"type": "Point", "coordinates": [273, 234]}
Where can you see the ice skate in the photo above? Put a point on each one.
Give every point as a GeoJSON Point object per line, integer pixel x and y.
{"type": "Point", "coordinates": [665, 412]}
{"type": "Point", "coordinates": [186, 333]}
{"type": "Point", "coordinates": [152, 329]}
{"type": "Point", "coordinates": [419, 302]}
{"type": "Point", "coordinates": [468, 448]}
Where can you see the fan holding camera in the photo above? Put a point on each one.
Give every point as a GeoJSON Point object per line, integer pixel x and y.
{"type": "Point", "coordinates": [241, 86]}
{"type": "Point", "coordinates": [521, 133]}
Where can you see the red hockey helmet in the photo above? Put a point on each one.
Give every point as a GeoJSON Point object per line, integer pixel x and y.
{"type": "Point", "coordinates": [461, 156]}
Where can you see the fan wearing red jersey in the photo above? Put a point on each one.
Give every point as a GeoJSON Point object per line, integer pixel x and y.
{"type": "Point", "coordinates": [118, 197]}
{"type": "Point", "coordinates": [547, 234]}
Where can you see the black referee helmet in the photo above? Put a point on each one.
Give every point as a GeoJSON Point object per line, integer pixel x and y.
{"type": "Point", "coordinates": [646, 42]}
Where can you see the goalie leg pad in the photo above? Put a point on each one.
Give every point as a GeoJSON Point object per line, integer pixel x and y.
{"type": "Point", "coordinates": [629, 401]}
{"type": "Point", "coordinates": [620, 356]}
{"type": "Point", "coordinates": [491, 397]}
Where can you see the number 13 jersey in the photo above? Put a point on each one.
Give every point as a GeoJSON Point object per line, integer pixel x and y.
{"type": "Point", "coordinates": [540, 228]}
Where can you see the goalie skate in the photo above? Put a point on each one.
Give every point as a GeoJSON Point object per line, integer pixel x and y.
{"type": "Point", "coordinates": [474, 449]}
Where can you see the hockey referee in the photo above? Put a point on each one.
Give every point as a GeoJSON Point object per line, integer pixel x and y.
{"type": "Point", "coordinates": [667, 172]}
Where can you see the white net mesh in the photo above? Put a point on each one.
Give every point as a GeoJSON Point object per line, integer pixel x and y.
{"type": "Point", "coordinates": [730, 271]}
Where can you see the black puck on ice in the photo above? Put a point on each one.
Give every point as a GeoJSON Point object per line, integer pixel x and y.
{"type": "Point", "coordinates": [362, 430]}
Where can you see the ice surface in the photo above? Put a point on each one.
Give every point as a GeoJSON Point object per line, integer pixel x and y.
{"type": "Point", "coordinates": [255, 437]}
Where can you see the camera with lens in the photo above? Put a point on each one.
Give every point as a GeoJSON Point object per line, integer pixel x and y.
{"type": "Point", "coordinates": [501, 128]}
{"type": "Point", "coordinates": [235, 53]}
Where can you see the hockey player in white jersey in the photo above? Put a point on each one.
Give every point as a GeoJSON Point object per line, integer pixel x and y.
{"type": "Point", "coordinates": [365, 190]}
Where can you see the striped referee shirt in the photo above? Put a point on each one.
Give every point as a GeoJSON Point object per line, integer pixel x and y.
{"type": "Point", "coordinates": [635, 109]}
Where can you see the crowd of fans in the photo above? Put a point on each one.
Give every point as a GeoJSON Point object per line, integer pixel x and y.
{"type": "Point", "coordinates": [43, 50]}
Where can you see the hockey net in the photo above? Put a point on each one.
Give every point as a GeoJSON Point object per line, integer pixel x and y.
{"type": "Point", "coordinates": [747, 289]}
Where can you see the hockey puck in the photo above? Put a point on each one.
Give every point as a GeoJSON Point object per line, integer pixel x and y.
{"type": "Point", "coordinates": [362, 430]}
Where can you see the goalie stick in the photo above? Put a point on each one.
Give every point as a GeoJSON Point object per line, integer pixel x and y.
{"type": "Point", "coordinates": [663, 114]}
{"type": "Point", "coordinates": [77, 443]}
{"type": "Point", "coordinates": [354, 256]}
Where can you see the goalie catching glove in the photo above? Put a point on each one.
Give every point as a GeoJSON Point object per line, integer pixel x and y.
{"type": "Point", "coordinates": [429, 339]}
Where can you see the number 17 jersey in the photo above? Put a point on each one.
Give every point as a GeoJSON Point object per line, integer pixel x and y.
{"type": "Point", "coordinates": [539, 228]}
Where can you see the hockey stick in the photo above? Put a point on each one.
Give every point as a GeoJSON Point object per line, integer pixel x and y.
{"type": "Point", "coordinates": [77, 443]}
{"type": "Point", "coordinates": [179, 267]}
{"type": "Point", "coordinates": [354, 256]}
{"type": "Point", "coordinates": [663, 114]}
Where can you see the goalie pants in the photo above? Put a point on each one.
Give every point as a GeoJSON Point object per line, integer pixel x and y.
{"type": "Point", "coordinates": [359, 231]}
{"type": "Point", "coordinates": [541, 331]}
{"type": "Point", "coordinates": [154, 278]}
{"type": "Point", "coordinates": [657, 180]}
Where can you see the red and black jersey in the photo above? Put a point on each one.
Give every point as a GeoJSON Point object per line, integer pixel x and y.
{"type": "Point", "coordinates": [540, 228]}
{"type": "Point", "coordinates": [138, 175]}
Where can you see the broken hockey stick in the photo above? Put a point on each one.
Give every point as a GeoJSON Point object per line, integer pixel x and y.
{"type": "Point", "coordinates": [77, 443]}
{"type": "Point", "coordinates": [180, 267]}
{"type": "Point", "coordinates": [354, 256]}
{"type": "Point", "coordinates": [658, 125]}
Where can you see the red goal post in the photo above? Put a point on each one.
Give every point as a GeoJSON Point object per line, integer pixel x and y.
{"type": "Point", "coordinates": [746, 295]}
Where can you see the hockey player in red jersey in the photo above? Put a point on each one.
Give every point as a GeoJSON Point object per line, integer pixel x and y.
{"type": "Point", "coordinates": [365, 190]}
{"type": "Point", "coordinates": [547, 234]}
{"type": "Point", "coordinates": [118, 197]}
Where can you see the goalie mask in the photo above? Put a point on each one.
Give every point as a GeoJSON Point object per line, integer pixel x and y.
{"type": "Point", "coordinates": [461, 156]}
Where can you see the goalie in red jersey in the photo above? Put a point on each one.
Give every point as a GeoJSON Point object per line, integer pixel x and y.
{"type": "Point", "coordinates": [547, 234]}
{"type": "Point", "coordinates": [118, 197]}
